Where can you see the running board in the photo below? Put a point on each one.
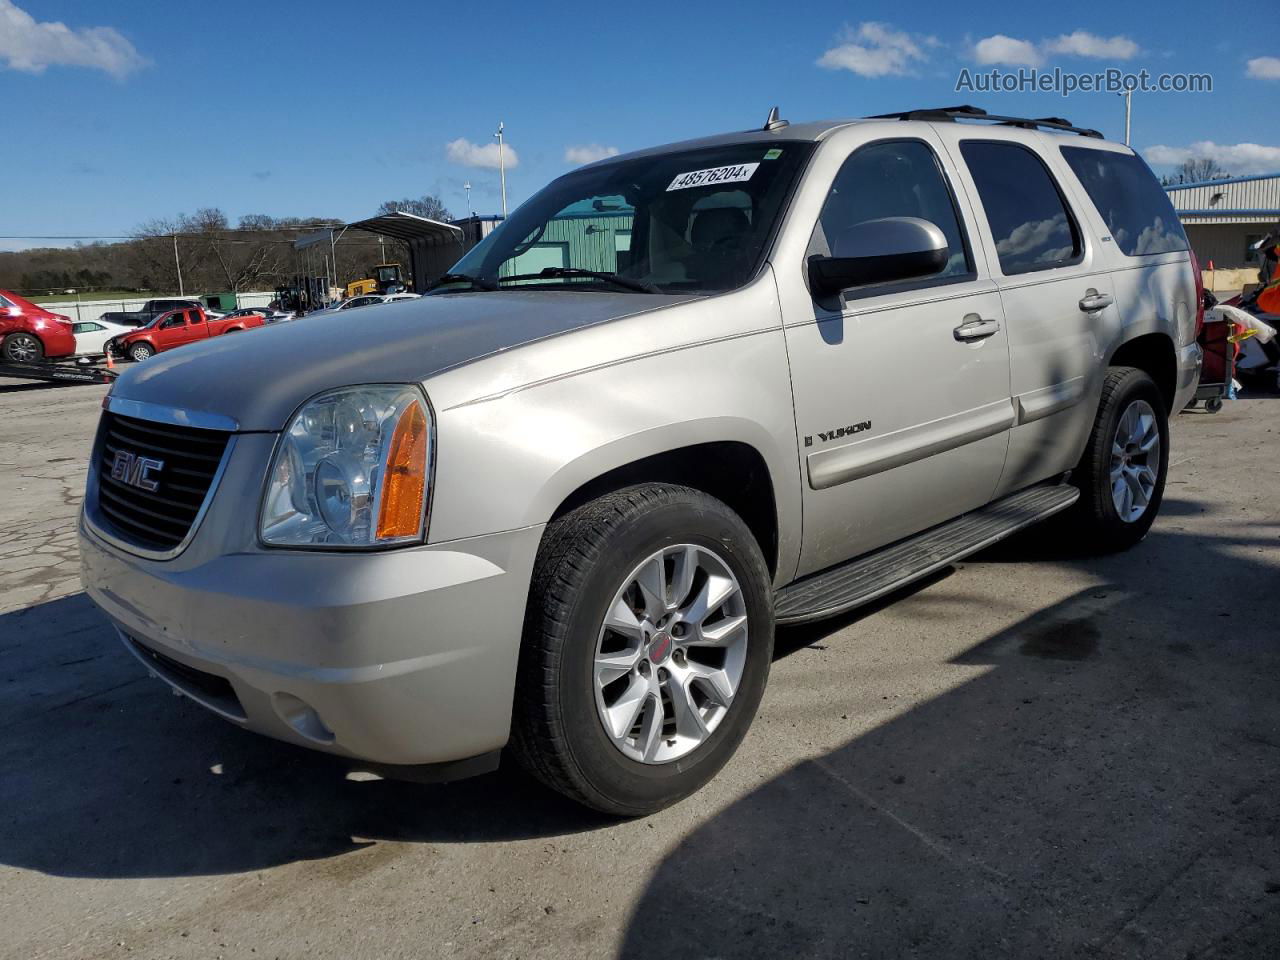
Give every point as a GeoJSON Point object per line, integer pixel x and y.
{"type": "Point", "coordinates": [889, 568]}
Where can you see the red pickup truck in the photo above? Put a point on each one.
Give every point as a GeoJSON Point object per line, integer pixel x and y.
{"type": "Point", "coordinates": [174, 329]}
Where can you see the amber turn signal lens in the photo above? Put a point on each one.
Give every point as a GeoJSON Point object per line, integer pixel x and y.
{"type": "Point", "coordinates": [405, 480]}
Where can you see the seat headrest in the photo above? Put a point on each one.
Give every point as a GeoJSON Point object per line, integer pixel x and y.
{"type": "Point", "coordinates": [719, 223]}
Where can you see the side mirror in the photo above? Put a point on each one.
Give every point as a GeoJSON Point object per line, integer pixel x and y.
{"type": "Point", "coordinates": [879, 251]}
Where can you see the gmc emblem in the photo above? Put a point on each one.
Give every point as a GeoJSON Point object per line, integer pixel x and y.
{"type": "Point", "coordinates": [135, 470]}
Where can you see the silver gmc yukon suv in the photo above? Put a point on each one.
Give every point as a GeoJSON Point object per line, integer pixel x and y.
{"type": "Point", "coordinates": [557, 506]}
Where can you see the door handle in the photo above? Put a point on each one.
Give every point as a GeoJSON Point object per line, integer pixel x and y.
{"type": "Point", "coordinates": [1095, 302]}
{"type": "Point", "coordinates": [975, 328]}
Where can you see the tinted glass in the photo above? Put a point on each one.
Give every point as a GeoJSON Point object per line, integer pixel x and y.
{"type": "Point", "coordinates": [1130, 200]}
{"type": "Point", "coordinates": [692, 221]}
{"type": "Point", "coordinates": [1028, 217]}
{"type": "Point", "coordinates": [893, 179]}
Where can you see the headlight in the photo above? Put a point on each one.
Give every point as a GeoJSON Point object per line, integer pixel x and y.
{"type": "Point", "coordinates": [351, 470]}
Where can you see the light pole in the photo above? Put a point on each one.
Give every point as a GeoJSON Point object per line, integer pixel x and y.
{"type": "Point", "coordinates": [1128, 113]}
{"type": "Point", "coordinates": [502, 169]}
{"type": "Point", "coordinates": [467, 187]}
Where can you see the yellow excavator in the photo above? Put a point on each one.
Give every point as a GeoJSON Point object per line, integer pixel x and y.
{"type": "Point", "coordinates": [387, 278]}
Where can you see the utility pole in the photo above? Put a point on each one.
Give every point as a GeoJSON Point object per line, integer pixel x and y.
{"type": "Point", "coordinates": [333, 250]}
{"type": "Point", "coordinates": [177, 264]}
{"type": "Point", "coordinates": [1128, 113]}
{"type": "Point", "coordinates": [467, 187]}
{"type": "Point", "coordinates": [502, 169]}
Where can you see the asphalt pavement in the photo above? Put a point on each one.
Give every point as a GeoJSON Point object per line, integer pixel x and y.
{"type": "Point", "coordinates": [1034, 754]}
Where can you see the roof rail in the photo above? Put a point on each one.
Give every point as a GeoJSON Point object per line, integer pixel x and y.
{"type": "Point", "coordinates": [952, 114]}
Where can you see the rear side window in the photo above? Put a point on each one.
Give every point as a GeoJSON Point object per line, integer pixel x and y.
{"type": "Point", "coordinates": [1134, 205]}
{"type": "Point", "coordinates": [1029, 219]}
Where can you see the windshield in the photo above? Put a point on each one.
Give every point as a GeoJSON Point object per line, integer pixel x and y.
{"type": "Point", "coordinates": [698, 221]}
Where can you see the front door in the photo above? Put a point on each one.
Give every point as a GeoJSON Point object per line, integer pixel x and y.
{"type": "Point", "coordinates": [901, 390]}
{"type": "Point", "coordinates": [171, 331]}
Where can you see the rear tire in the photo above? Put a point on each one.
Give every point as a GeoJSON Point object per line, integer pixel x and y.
{"type": "Point", "coordinates": [23, 348]}
{"type": "Point", "coordinates": [140, 351]}
{"type": "Point", "coordinates": [1122, 473]}
{"type": "Point", "coordinates": [586, 560]}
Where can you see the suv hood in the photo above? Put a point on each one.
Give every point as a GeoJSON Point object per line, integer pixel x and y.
{"type": "Point", "coordinates": [261, 376]}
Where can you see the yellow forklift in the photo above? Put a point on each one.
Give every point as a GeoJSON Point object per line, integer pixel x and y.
{"type": "Point", "coordinates": [387, 278]}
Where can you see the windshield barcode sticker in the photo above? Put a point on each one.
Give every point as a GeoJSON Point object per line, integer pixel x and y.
{"type": "Point", "coordinates": [703, 178]}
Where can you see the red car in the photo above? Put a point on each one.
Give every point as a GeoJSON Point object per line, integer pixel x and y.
{"type": "Point", "coordinates": [29, 334]}
{"type": "Point", "coordinates": [175, 329]}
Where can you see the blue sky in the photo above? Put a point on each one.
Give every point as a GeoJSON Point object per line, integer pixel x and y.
{"type": "Point", "coordinates": [138, 109]}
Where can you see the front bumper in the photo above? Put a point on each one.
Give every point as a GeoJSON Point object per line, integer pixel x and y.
{"type": "Point", "coordinates": [397, 657]}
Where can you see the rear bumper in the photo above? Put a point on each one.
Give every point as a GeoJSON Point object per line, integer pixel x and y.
{"type": "Point", "coordinates": [57, 339]}
{"type": "Point", "coordinates": [406, 657]}
{"type": "Point", "coordinates": [1190, 360]}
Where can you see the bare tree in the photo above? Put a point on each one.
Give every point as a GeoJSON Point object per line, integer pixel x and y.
{"type": "Point", "coordinates": [1196, 170]}
{"type": "Point", "coordinates": [428, 205]}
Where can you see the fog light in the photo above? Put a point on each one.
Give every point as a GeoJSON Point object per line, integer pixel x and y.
{"type": "Point", "coordinates": [301, 717]}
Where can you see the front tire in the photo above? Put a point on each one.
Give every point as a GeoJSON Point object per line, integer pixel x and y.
{"type": "Point", "coordinates": [647, 644]}
{"type": "Point", "coordinates": [23, 348]}
{"type": "Point", "coordinates": [1122, 473]}
{"type": "Point", "coordinates": [141, 351]}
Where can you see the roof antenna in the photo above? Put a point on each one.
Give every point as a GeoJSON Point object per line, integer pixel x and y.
{"type": "Point", "coordinates": [773, 123]}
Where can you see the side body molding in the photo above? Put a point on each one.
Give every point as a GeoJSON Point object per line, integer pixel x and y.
{"type": "Point", "coordinates": [863, 458]}
{"type": "Point", "coordinates": [1035, 404]}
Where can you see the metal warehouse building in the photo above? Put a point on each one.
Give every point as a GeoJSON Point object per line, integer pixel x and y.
{"type": "Point", "coordinates": [1223, 218]}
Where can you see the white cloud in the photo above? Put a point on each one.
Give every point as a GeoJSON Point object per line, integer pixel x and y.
{"type": "Point", "coordinates": [1082, 43]}
{"type": "Point", "coordinates": [1238, 158]}
{"type": "Point", "coordinates": [876, 50]}
{"type": "Point", "coordinates": [1013, 52]}
{"type": "Point", "coordinates": [1264, 68]}
{"type": "Point", "coordinates": [32, 46]}
{"type": "Point", "coordinates": [468, 154]}
{"type": "Point", "coordinates": [588, 153]}
{"type": "Point", "coordinates": [1009, 51]}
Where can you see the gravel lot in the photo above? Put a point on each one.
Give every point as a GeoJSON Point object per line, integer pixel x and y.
{"type": "Point", "coordinates": [1033, 755]}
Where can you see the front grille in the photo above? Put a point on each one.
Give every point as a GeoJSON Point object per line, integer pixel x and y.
{"type": "Point", "coordinates": [158, 519]}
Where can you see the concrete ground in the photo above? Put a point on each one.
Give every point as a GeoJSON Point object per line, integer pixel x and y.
{"type": "Point", "coordinates": [1033, 755]}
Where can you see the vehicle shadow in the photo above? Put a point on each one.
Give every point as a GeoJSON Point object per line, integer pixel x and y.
{"type": "Point", "coordinates": [1105, 786]}
{"type": "Point", "coordinates": [103, 775]}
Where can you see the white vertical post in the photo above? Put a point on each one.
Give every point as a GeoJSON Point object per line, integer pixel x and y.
{"type": "Point", "coordinates": [502, 168]}
{"type": "Point", "coordinates": [177, 264]}
{"type": "Point", "coordinates": [1128, 113]}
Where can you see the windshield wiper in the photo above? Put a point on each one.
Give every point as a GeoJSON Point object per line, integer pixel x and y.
{"type": "Point", "coordinates": [477, 283]}
{"type": "Point", "coordinates": [552, 273]}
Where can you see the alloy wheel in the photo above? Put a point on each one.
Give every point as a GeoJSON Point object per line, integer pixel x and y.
{"type": "Point", "coordinates": [670, 654]}
{"type": "Point", "coordinates": [1135, 460]}
{"type": "Point", "coordinates": [22, 348]}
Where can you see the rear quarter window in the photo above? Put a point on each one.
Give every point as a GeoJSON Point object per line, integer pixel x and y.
{"type": "Point", "coordinates": [1135, 207]}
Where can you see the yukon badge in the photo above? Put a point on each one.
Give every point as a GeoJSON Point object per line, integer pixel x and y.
{"type": "Point", "coordinates": [136, 471]}
{"type": "Point", "coordinates": [838, 432]}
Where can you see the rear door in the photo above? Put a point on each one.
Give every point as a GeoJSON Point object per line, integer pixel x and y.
{"type": "Point", "coordinates": [1056, 290]}
{"type": "Point", "coordinates": [901, 390]}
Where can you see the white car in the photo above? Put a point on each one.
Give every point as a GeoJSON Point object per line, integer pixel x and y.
{"type": "Point", "coordinates": [92, 335]}
{"type": "Point", "coordinates": [365, 300]}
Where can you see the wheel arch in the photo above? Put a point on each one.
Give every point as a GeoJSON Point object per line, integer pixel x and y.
{"type": "Point", "coordinates": [1153, 353]}
{"type": "Point", "coordinates": [732, 471]}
